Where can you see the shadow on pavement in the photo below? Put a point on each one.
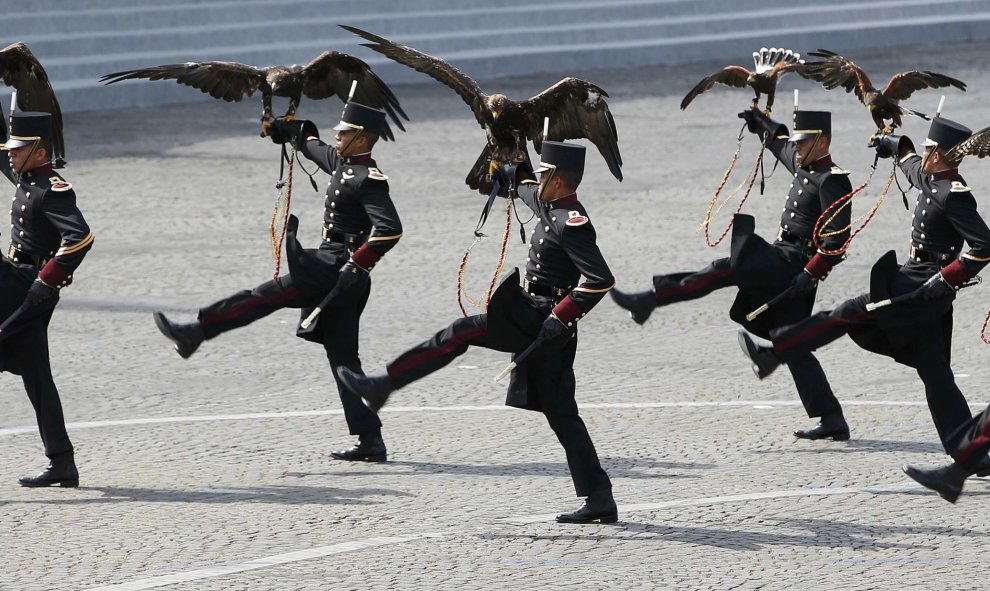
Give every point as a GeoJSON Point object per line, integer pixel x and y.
{"type": "Point", "coordinates": [861, 445]}
{"type": "Point", "coordinates": [279, 495]}
{"type": "Point", "coordinates": [821, 533]}
{"type": "Point", "coordinates": [616, 468]}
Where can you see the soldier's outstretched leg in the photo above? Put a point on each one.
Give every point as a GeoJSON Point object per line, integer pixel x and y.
{"type": "Point", "coordinates": [240, 309]}
{"type": "Point", "coordinates": [675, 287]}
{"type": "Point", "coordinates": [795, 340]}
{"type": "Point", "coordinates": [426, 358]}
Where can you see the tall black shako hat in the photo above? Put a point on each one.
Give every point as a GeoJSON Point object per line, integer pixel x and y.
{"type": "Point", "coordinates": [946, 134]}
{"type": "Point", "coordinates": [807, 124]}
{"type": "Point", "coordinates": [562, 156]}
{"type": "Point", "coordinates": [27, 127]}
{"type": "Point", "coordinates": [358, 117]}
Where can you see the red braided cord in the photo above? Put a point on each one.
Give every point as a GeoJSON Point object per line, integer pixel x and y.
{"type": "Point", "coordinates": [983, 331]}
{"type": "Point", "coordinates": [837, 206]}
{"type": "Point", "coordinates": [501, 254]}
{"type": "Point", "coordinates": [278, 237]}
{"type": "Point", "coordinates": [711, 204]}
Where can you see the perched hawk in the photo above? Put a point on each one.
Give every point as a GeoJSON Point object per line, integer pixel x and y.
{"type": "Point", "coordinates": [835, 71]}
{"type": "Point", "coordinates": [771, 64]}
{"type": "Point", "coordinates": [329, 74]}
{"type": "Point", "coordinates": [576, 109]}
{"type": "Point", "coordinates": [20, 70]}
{"type": "Point", "coordinates": [977, 145]}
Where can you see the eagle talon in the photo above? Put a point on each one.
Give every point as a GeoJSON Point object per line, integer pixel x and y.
{"type": "Point", "coordinates": [265, 124]}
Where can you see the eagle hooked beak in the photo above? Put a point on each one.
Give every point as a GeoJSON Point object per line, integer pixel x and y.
{"type": "Point", "coordinates": [496, 114]}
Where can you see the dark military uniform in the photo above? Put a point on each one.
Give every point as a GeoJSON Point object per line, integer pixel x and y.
{"type": "Point", "coordinates": [562, 248]}
{"type": "Point", "coordinates": [761, 270]}
{"type": "Point", "coordinates": [916, 332]}
{"type": "Point", "coordinates": [49, 239]}
{"type": "Point", "coordinates": [360, 226]}
{"type": "Point", "coordinates": [973, 442]}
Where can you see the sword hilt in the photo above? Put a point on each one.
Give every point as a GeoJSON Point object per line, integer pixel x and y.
{"type": "Point", "coordinates": [311, 318]}
{"type": "Point", "coordinates": [757, 312]}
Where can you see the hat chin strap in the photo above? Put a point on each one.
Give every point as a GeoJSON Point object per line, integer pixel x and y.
{"type": "Point", "coordinates": [546, 183]}
{"type": "Point", "coordinates": [34, 148]}
{"type": "Point", "coordinates": [357, 132]}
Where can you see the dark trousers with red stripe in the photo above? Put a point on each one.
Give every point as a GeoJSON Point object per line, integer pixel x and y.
{"type": "Point", "coordinates": [809, 377]}
{"type": "Point", "coordinates": [339, 322]}
{"type": "Point", "coordinates": [681, 287]}
{"type": "Point", "coordinates": [562, 414]}
{"type": "Point", "coordinates": [974, 441]}
{"type": "Point", "coordinates": [946, 402]}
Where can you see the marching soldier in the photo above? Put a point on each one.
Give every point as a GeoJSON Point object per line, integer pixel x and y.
{"type": "Point", "coordinates": [49, 239]}
{"type": "Point", "coordinates": [761, 271]}
{"type": "Point", "coordinates": [562, 248]}
{"type": "Point", "coordinates": [970, 458]}
{"type": "Point", "coordinates": [360, 225]}
{"type": "Point", "coordinates": [916, 329]}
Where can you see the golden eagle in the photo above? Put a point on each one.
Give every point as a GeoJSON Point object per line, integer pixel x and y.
{"type": "Point", "coordinates": [20, 70]}
{"type": "Point", "coordinates": [331, 73]}
{"type": "Point", "coordinates": [771, 64]}
{"type": "Point", "coordinates": [835, 71]}
{"type": "Point", "coordinates": [576, 109]}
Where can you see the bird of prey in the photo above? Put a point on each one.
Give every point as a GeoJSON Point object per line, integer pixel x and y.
{"type": "Point", "coordinates": [771, 64]}
{"type": "Point", "coordinates": [575, 108]}
{"type": "Point", "coordinates": [834, 71]}
{"type": "Point", "coordinates": [20, 70]}
{"type": "Point", "coordinates": [977, 145]}
{"type": "Point", "coordinates": [330, 73]}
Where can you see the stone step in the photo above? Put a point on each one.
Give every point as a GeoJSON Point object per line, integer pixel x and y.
{"type": "Point", "coordinates": [553, 36]}
{"type": "Point", "coordinates": [594, 24]}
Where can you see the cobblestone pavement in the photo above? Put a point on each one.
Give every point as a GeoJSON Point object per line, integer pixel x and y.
{"type": "Point", "coordinates": [214, 472]}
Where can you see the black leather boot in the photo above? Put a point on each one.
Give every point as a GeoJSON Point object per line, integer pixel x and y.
{"type": "Point", "coordinates": [765, 361]}
{"type": "Point", "coordinates": [833, 425]}
{"type": "Point", "coordinates": [61, 471]}
{"type": "Point", "coordinates": [640, 305]}
{"type": "Point", "coordinates": [947, 481]}
{"type": "Point", "coordinates": [597, 507]}
{"type": "Point", "coordinates": [373, 390]}
{"type": "Point", "coordinates": [369, 448]}
{"type": "Point", "coordinates": [187, 337]}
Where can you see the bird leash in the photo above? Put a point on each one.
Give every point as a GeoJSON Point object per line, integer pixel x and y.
{"type": "Point", "coordinates": [280, 211]}
{"type": "Point", "coordinates": [478, 235]}
{"type": "Point", "coordinates": [709, 216]}
{"type": "Point", "coordinates": [825, 220]}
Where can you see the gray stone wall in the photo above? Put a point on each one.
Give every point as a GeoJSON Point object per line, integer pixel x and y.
{"type": "Point", "coordinates": [81, 40]}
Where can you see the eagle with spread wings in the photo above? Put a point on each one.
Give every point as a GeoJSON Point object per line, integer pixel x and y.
{"type": "Point", "coordinates": [770, 65]}
{"type": "Point", "coordinates": [575, 108]}
{"type": "Point", "coordinates": [20, 70]}
{"type": "Point", "coordinates": [329, 74]}
{"type": "Point", "coordinates": [835, 71]}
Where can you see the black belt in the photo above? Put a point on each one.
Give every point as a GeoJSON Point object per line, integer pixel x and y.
{"type": "Point", "coordinates": [792, 238]}
{"type": "Point", "coordinates": [544, 290]}
{"type": "Point", "coordinates": [333, 235]}
{"type": "Point", "coordinates": [24, 258]}
{"type": "Point", "coordinates": [929, 256]}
